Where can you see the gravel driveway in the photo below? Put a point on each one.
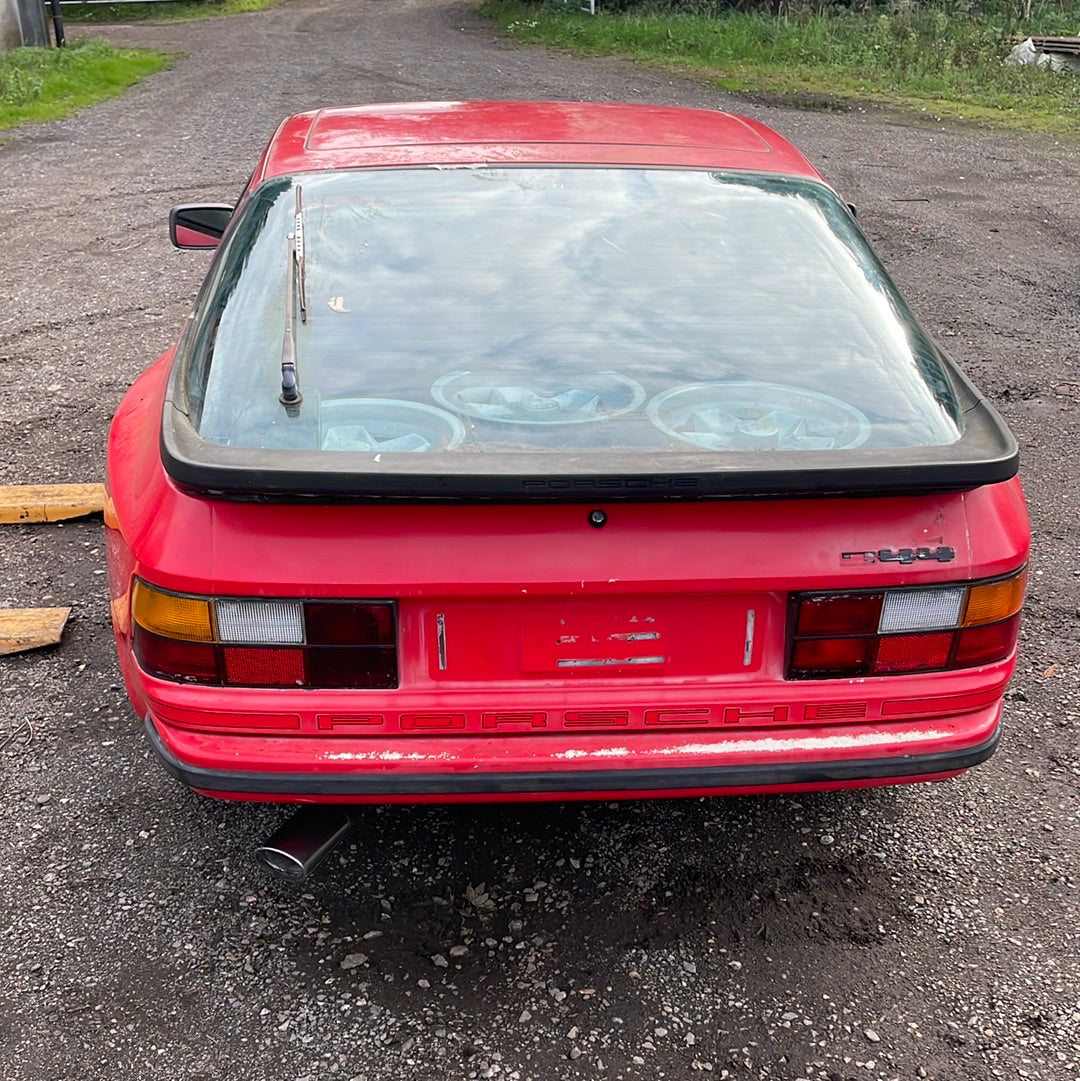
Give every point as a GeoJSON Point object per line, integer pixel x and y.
{"type": "Point", "coordinates": [931, 931]}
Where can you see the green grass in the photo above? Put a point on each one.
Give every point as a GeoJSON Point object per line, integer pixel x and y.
{"type": "Point", "coordinates": [174, 11]}
{"type": "Point", "coordinates": [45, 84]}
{"type": "Point", "coordinates": [929, 62]}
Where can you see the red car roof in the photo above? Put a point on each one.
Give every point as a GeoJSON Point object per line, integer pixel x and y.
{"type": "Point", "coordinates": [469, 132]}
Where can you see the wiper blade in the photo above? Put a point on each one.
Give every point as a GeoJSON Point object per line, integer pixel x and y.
{"type": "Point", "coordinates": [290, 395]}
{"type": "Point", "coordinates": [298, 255]}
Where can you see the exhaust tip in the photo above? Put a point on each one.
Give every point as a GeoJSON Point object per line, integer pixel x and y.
{"type": "Point", "coordinates": [304, 841]}
{"type": "Point", "coordinates": [281, 864]}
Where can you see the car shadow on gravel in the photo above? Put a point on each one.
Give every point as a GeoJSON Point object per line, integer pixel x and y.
{"type": "Point", "coordinates": [571, 897]}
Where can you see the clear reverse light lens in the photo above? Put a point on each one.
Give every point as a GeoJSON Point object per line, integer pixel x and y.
{"type": "Point", "coordinates": [260, 622]}
{"type": "Point", "coordinates": [921, 610]}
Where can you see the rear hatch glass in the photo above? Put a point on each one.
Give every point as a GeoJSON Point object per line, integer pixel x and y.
{"type": "Point", "coordinates": [553, 321]}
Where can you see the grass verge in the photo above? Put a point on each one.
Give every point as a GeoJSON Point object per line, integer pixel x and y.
{"type": "Point", "coordinates": [46, 84]}
{"type": "Point", "coordinates": [175, 11]}
{"type": "Point", "coordinates": [928, 62]}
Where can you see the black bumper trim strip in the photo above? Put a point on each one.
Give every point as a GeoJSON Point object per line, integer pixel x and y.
{"type": "Point", "coordinates": [591, 780]}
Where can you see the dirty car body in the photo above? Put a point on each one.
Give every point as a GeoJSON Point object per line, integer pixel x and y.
{"type": "Point", "coordinates": [544, 450]}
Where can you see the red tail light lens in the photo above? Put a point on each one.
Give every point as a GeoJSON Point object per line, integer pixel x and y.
{"type": "Point", "coordinates": [171, 658]}
{"type": "Point", "coordinates": [331, 623]}
{"type": "Point", "coordinates": [839, 613]}
{"type": "Point", "coordinates": [255, 666]}
{"type": "Point", "coordinates": [352, 668]}
{"type": "Point", "coordinates": [981, 645]}
{"type": "Point", "coordinates": [833, 656]}
{"type": "Point", "coordinates": [256, 642]}
{"type": "Point", "coordinates": [912, 653]}
{"type": "Point", "coordinates": [905, 630]}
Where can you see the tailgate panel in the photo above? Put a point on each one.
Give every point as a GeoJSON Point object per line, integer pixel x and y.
{"type": "Point", "coordinates": [593, 638]}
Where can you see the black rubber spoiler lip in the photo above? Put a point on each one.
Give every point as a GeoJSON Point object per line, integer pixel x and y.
{"type": "Point", "coordinates": [987, 454]}
{"type": "Point", "coordinates": [524, 783]}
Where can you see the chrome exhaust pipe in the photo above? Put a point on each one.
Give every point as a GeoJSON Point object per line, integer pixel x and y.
{"type": "Point", "coordinates": [302, 843]}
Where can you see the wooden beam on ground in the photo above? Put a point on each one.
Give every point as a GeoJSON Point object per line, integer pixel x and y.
{"type": "Point", "coordinates": [1056, 44]}
{"type": "Point", "coordinates": [30, 628]}
{"type": "Point", "coordinates": [49, 502]}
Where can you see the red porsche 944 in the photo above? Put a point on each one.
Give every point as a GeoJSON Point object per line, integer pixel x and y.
{"type": "Point", "coordinates": [546, 450]}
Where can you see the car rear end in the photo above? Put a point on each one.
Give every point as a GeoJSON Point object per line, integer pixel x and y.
{"type": "Point", "coordinates": [526, 652]}
{"type": "Point", "coordinates": [551, 469]}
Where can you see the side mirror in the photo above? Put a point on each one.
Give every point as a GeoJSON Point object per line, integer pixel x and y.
{"type": "Point", "coordinates": [198, 225]}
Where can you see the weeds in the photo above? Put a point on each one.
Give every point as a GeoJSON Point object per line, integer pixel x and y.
{"type": "Point", "coordinates": [950, 64]}
{"type": "Point", "coordinates": [175, 11]}
{"type": "Point", "coordinates": [43, 84]}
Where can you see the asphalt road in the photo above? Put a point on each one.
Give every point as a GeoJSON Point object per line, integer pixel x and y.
{"type": "Point", "coordinates": [929, 931]}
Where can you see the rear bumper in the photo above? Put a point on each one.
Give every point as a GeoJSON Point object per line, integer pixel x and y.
{"type": "Point", "coordinates": [775, 761]}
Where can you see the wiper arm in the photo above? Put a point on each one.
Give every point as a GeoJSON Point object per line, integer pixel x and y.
{"type": "Point", "coordinates": [290, 395]}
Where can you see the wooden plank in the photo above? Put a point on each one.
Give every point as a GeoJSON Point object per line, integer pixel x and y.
{"type": "Point", "coordinates": [1065, 45]}
{"type": "Point", "coordinates": [49, 502]}
{"type": "Point", "coordinates": [30, 628]}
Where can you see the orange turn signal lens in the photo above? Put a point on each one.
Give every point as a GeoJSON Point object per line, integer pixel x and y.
{"type": "Point", "coordinates": [992, 601]}
{"type": "Point", "coordinates": [165, 614]}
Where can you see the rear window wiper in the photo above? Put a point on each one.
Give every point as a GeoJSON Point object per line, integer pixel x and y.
{"type": "Point", "coordinates": [290, 395]}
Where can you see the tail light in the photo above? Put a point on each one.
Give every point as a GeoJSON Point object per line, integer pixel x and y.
{"type": "Point", "coordinates": [255, 642]}
{"type": "Point", "coordinates": [892, 631]}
